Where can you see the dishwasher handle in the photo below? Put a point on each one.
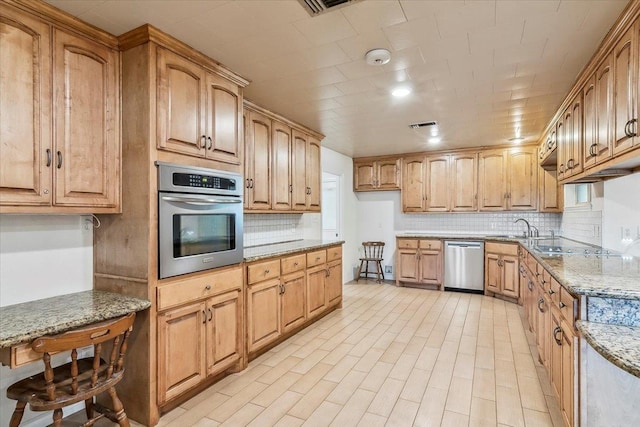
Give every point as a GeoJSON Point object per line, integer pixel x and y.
{"type": "Point", "coordinates": [473, 245]}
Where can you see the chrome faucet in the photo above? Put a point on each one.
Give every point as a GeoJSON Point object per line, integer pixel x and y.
{"type": "Point", "coordinates": [528, 226]}
{"type": "Point", "coordinates": [536, 233]}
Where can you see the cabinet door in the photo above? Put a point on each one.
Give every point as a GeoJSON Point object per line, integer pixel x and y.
{"type": "Point", "coordinates": [522, 180]}
{"type": "Point", "coordinates": [623, 88]}
{"type": "Point", "coordinates": [281, 170]}
{"type": "Point", "coordinates": [493, 272]}
{"type": "Point", "coordinates": [258, 161]}
{"type": "Point", "coordinates": [364, 176]}
{"type": "Point", "coordinates": [604, 107]}
{"type": "Point", "coordinates": [590, 140]}
{"type": "Point", "coordinates": [334, 282]}
{"type": "Point", "coordinates": [568, 358]}
{"type": "Point", "coordinates": [388, 174]}
{"type": "Point", "coordinates": [181, 105]}
{"type": "Point", "coordinates": [224, 125]}
{"type": "Point", "coordinates": [181, 350]}
{"type": "Point", "coordinates": [567, 139]}
{"type": "Point", "coordinates": [576, 139]}
{"type": "Point", "coordinates": [313, 177]}
{"type": "Point", "coordinates": [437, 197]}
{"type": "Point", "coordinates": [407, 265]}
{"type": "Point", "coordinates": [87, 142]}
{"type": "Point", "coordinates": [464, 182]}
{"type": "Point", "coordinates": [224, 331]}
{"type": "Point", "coordinates": [510, 276]}
{"type": "Point", "coordinates": [551, 194]}
{"type": "Point", "coordinates": [430, 267]}
{"type": "Point", "coordinates": [561, 149]}
{"type": "Point", "coordinates": [25, 98]}
{"type": "Point", "coordinates": [413, 184]}
{"type": "Point", "coordinates": [316, 297]}
{"type": "Point", "coordinates": [263, 314]}
{"type": "Point", "coordinates": [555, 375]}
{"type": "Point", "coordinates": [299, 171]}
{"type": "Point", "coordinates": [293, 301]}
{"type": "Point", "coordinates": [492, 180]}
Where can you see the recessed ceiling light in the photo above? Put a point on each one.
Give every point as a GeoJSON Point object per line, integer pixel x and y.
{"type": "Point", "coordinates": [434, 140]}
{"type": "Point", "coordinates": [378, 56]}
{"type": "Point", "coordinates": [399, 92]}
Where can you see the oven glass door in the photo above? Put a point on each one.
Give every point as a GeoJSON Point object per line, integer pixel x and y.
{"type": "Point", "coordinates": [198, 232]}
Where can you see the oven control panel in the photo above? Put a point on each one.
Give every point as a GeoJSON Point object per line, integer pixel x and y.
{"type": "Point", "coordinates": [191, 180]}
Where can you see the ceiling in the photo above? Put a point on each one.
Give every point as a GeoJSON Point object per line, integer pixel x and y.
{"type": "Point", "coordinates": [480, 69]}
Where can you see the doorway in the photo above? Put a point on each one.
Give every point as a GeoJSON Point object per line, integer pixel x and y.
{"type": "Point", "coordinates": [331, 218]}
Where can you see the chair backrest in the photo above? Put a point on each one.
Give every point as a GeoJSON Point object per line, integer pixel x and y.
{"type": "Point", "coordinates": [115, 331]}
{"type": "Point", "coordinates": [373, 249]}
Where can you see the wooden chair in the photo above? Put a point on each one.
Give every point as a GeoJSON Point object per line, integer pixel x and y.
{"type": "Point", "coordinates": [80, 379]}
{"type": "Point", "coordinates": [372, 253]}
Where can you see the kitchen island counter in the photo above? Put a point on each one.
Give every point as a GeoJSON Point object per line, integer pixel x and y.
{"type": "Point", "coordinates": [256, 253]}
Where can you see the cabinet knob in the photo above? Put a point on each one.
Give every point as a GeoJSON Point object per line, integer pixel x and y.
{"type": "Point", "coordinates": [562, 305]}
{"type": "Point", "coordinates": [551, 291]}
{"type": "Point", "coordinates": [295, 264]}
{"type": "Point", "coordinates": [208, 287]}
{"type": "Point", "coordinates": [317, 258]}
{"type": "Point", "coordinates": [267, 271]}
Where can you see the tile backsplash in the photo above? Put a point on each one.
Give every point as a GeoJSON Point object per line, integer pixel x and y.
{"type": "Point", "coordinates": [478, 223]}
{"type": "Point", "coordinates": [583, 225]}
{"type": "Point", "coordinates": [261, 229]}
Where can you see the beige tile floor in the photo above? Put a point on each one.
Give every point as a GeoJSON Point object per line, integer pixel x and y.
{"type": "Point", "coordinates": [390, 357]}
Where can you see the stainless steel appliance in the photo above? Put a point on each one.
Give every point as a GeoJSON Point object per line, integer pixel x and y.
{"type": "Point", "coordinates": [464, 265]}
{"type": "Point", "coordinates": [199, 219]}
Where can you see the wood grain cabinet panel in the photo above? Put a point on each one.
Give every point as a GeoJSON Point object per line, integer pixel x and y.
{"type": "Point", "coordinates": [437, 177]}
{"type": "Point", "coordinates": [299, 171]}
{"type": "Point", "coordinates": [263, 314]}
{"type": "Point", "coordinates": [376, 174]}
{"type": "Point", "coordinates": [257, 164]}
{"type": "Point", "coordinates": [419, 262]}
{"type": "Point", "coordinates": [464, 182]}
{"type": "Point", "coordinates": [313, 175]}
{"type": "Point", "coordinates": [502, 274]}
{"type": "Point", "coordinates": [293, 304]}
{"type": "Point", "coordinates": [334, 282]}
{"type": "Point", "coordinates": [388, 174]}
{"type": "Point", "coordinates": [224, 331]}
{"type": "Point", "coordinates": [316, 290]}
{"type": "Point", "coordinates": [625, 84]}
{"type": "Point", "coordinates": [604, 119]}
{"type": "Point", "coordinates": [60, 80]}
{"type": "Point", "coordinates": [281, 167]}
{"type": "Point", "coordinates": [413, 184]}
{"type": "Point", "coordinates": [364, 176]}
{"type": "Point", "coordinates": [492, 180]}
{"type": "Point", "coordinates": [522, 179]}
{"type": "Point", "coordinates": [551, 194]}
{"type": "Point", "coordinates": [25, 91]}
{"type": "Point", "coordinates": [590, 118]}
{"type": "Point", "coordinates": [224, 107]}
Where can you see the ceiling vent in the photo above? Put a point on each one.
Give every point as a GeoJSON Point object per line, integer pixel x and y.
{"type": "Point", "coordinates": [316, 7]}
{"type": "Point", "coordinates": [423, 125]}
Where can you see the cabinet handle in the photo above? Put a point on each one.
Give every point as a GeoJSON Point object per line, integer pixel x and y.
{"type": "Point", "coordinates": [561, 169]}
{"type": "Point", "coordinates": [530, 285]}
{"type": "Point", "coordinates": [290, 188]}
{"type": "Point", "coordinates": [627, 128]}
{"type": "Point", "coordinates": [266, 271]}
{"type": "Point", "coordinates": [210, 143]}
{"type": "Point", "coordinates": [210, 314]}
{"type": "Point", "coordinates": [48, 157]}
{"type": "Point", "coordinates": [204, 317]}
{"type": "Point", "coordinates": [282, 289]}
{"type": "Point", "coordinates": [247, 185]}
{"type": "Point", "coordinates": [555, 335]}
{"type": "Point", "coordinates": [59, 159]}
{"type": "Point", "coordinates": [204, 141]}
{"type": "Point", "coordinates": [570, 164]}
{"type": "Point", "coordinates": [327, 272]}
{"type": "Point", "coordinates": [549, 143]}
{"type": "Point", "coordinates": [317, 258]}
{"type": "Point", "coordinates": [562, 305]}
{"type": "Point", "coordinates": [540, 302]}
{"type": "Point", "coordinates": [295, 264]}
{"type": "Point", "coordinates": [208, 287]}
{"type": "Point", "coordinates": [633, 132]}
{"type": "Point", "coordinates": [591, 149]}
{"type": "Point", "coordinates": [551, 291]}
{"type": "Point", "coordinates": [250, 182]}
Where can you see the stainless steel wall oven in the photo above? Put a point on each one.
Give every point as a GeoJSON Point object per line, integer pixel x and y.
{"type": "Point", "coordinates": [199, 219]}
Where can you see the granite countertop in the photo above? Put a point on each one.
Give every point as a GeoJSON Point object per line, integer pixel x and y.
{"type": "Point", "coordinates": [620, 345]}
{"type": "Point", "coordinates": [25, 322]}
{"type": "Point", "coordinates": [256, 253]}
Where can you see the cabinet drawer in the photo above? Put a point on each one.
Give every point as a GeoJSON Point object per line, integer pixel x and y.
{"type": "Point", "coordinates": [200, 286]}
{"type": "Point", "coordinates": [553, 289]}
{"type": "Point", "coordinates": [408, 244]}
{"type": "Point", "coordinates": [18, 355]}
{"type": "Point", "coordinates": [501, 248]}
{"type": "Point", "coordinates": [431, 244]}
{"type": "Point", "coordinates": [316, 258]}
{"type": "Point", "coordinates": [263, 271]}
{"type": "Point", "coordinates": [293, 263]}
{"type": "Point", "coordinates": [334, 253]}
{"type": "Point", "coordinates": [568, 306]}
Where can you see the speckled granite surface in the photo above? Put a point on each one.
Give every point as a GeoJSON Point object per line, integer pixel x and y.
{"type": "Point", "coordinates": [615, 311]}
{"type": "Point", "coordinates": [618, 344]}
{"type": "Point", "coordinates": [27, 321]}
{"type": "Point", "coordinates": [278, 249]}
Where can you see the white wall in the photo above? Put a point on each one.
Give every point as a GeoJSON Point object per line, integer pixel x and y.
{"type": "Point", "coordinates": [621, 213]}
{"type": "Point", "coordinates": [341, 165]}
{"type": "Point", "coordinates": [40, 257]}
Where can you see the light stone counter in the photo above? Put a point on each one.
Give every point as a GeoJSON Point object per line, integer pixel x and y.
{"type": "Point", "coordinates": [257, 253]}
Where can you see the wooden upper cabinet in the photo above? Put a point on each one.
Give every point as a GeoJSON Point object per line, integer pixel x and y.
{"type": "Point", "coordinates": [69, 83]}
{"type": "Point", "coordinates": [551, 194]}
{"type": "Point", "coordinates": [492, 180]}
{"type": "Point", "coordinates": [281, 166]}
{"type": "Point", "coordinates": [437, 192]}
{"type": "Point", "coordinates": [313, 176]}
{"type": "Point", "coordinates": [181, 105]}
{"type": "Point", "coordinates": [413, 184]}
{"type": "Point", "coordinates": [522, 179]}
{"type": "Point", "coordinates": [376, 174]}
{"type": "Point", "coordinates": [199, 112]}
{"type": "Point", "coordinates": [299, 171]}
{"type": "Point", "coordinates": [560, 148]}
{"type": "Point", "coordinates": [625, 84]}
{"type": "Point", "coordinates": [463, 189]}
{"type": "Point", "coordinates": [87, 157]}
{"type": "Point", "coordinates": [258, 161]}
{"type": "Point", "coordinates": [604, 106]}
{"type": "Point", "coordinates": [589, 138]}
{"type": "Point", "coordinates": [25, 90]}
{"type": "Point", "coordinates": [575, 154]}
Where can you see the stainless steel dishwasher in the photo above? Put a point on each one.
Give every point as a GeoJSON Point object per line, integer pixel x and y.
{"type": "Point", "coordinates": [464, 265]}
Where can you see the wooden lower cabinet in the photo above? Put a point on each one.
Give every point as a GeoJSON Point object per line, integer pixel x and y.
{"type": "Point", "coordinates": [569, 357]}
{"type": "Point", "coordinates": [501, 269]}
{"type": "Point", "coordinates": [419, 262]}
{"type": "Point", "coordinates": [284, 294]}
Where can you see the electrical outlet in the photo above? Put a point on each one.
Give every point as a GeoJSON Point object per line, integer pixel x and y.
{"type": "Point", "coordinates": [388, 269]}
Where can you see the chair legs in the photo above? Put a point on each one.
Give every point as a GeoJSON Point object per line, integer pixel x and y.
{"type": "Point", "coordinates": [57, 417]}
{"type": "Point", "coordinates": [88, 408]}
{"type": "Point", "coordinates": [17, 414]}
{"type": "Point", "coordinates": [359, 271]}
{"type": "Point", "coordinates": [120, 416]}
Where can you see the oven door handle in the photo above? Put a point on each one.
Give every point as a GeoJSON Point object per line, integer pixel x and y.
{"type": "Point", "coordinates": [195, 201]}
